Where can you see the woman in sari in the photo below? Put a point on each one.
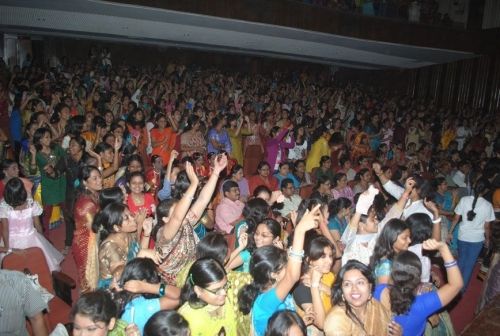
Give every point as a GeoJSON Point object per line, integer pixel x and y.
{"type": "Point", "coordinates": [175, 237]}
{"type": "Point", "coordinates": [263, 177]}
{"type": "Point", "coordinates": [162, 138]}
{"type": "Point", "coordinates": [192, 140]}
{"type": "Point", "coordinates": [236, 133]}
{"type": "Point", "coordinates": [84, 242]}
{"type": "Point", "coordinates": [121, 241]}
{"type": "Point", "coordinates": [361, 147]}
{"type": "Point", "coordinates": [354, 311]}
{"type": "Point", "coordinates": [253, 151]}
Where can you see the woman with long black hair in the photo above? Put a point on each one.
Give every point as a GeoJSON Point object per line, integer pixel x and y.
{"type": "Point", "coordinates": [474, 228]}
{"type": "Point", "coordinates": [207, 307]}
{"type": "Point", "coordinates": [400, 297]}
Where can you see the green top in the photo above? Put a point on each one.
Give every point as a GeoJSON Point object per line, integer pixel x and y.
{"type": "Point", "coordinates": [119, 329]}
{"type": "Point", "coordinates": [53, 189]}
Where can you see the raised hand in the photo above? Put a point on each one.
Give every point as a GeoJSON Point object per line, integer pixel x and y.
{"type": "Point", "coordinates": [243, 240]}
{"type": "Point", "coordinates": [310, 220]}
{"type": "Point", "coordinates": [193, 178]}
{"type": "Point", "coordinates": [147, 226]}
{"type": "Point", "coordinates": [410, 184]}
{"type": "Point", "coordinates": [32, 150]}
{"type": "Point", "coordinates": [431, 206]}
{"type": "Point", "coordinates": [377, 168]}
{"type": "Point", "coordinates": [173, 155]}
{"type": "Point", "coordinates": [278, 243]}
{"type": "Point", "coordinates": [220, 163]}
{"type": "Point", "coordinates": [433, 245]}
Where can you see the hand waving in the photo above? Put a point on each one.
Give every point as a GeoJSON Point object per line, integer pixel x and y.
{"type": "Point", "coordinates": [310, 220]}
{"type": "Point", "coordinates": [220, 163]}
{"type": "Point", "coordinates": [193, 178]}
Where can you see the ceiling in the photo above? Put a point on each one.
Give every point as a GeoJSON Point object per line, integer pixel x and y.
{"type": "Point", "coordinates": [110, 21]}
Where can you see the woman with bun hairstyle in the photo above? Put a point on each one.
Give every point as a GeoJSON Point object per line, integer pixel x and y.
{"type": "Point", "coordinates": [84, 247]}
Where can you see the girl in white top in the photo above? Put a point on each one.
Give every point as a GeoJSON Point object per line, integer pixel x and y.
{"type": "Point", "coordinates": [474, 228]}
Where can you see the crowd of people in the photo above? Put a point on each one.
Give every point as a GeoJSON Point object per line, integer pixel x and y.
{"type": "Point", "coordinates": [211, 202]}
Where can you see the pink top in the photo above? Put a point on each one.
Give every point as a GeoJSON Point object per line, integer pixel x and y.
{"type": "Point", "coordinates": [226, 213]}
{"type": "Point", "coordinates": [346, 193]}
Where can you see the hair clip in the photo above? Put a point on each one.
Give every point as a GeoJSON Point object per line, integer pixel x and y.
{"type": "Point", "coordinates": [190, 278]}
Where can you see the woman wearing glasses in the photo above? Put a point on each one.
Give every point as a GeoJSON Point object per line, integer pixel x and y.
{"type": "Point", "coordinates": [207, 307]}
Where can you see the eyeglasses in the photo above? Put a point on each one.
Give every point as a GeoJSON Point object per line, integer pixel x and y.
{"type": "Point", "coordinates": [219, 291]}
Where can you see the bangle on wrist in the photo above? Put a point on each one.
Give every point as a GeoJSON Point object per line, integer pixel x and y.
{"type": "Point", "coordinates": [450, 264]}
{"type": "Point", "coordinates": [437, 221]}
{"type": "Point", "coordinates": [295, 254]}
{"type": "Point", "coordinates": [315, 285]}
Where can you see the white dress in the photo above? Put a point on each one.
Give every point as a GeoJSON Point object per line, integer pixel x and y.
{"type": "Point", "coordinates": [22, 232]}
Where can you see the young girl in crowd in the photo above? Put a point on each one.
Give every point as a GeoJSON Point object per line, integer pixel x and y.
{"type": "Point", "coordinates": [21, 226]}
{"type": "Point", "coordinates": [312, 294]}
{"type": "Point", "coordinates": [120, 241]}
{"type": "Point", "coordinates": [137, 305]}
{"type": "Point", "coordinates": [411, 311]}
{"type": "Point", "coordinates": [175, 238]}
{"type": "Point", "coordinates": [274, 276]}
{"type": "Point", "coordinates": [267, 233]}
{"type": "Point", "coordinates": [139, 201]}
{"type": "Point", "coordinates": [286, 323]}
{"type": "Point", "coordinates": [96, 313]}
{"type": "Point", "coordinates": [339, 210]}
{"type": "Point", "coordinates": [167, 323]}
{"type": "Point", "coordinates": [206, 302]}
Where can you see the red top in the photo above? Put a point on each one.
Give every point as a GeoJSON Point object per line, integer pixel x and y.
{"type": "Point", "coordinates": [148, 202]}
{"type": "Point", "coordinates": [254, 181]}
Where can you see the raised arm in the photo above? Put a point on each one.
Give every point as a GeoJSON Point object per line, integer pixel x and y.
{"type": "Point", "coordinates": [455, 282]}
{"type": "Point", "coordinates": [309, 221]}
{"type": "Point", "coordinates": [209, 188]}
{"type": "Point", "coordinates": [182, 207]}
{"type": "Point", "coordinates": [392, 188]}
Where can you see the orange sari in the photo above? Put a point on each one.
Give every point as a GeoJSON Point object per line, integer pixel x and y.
{"type": "Point", "coordinates": [167, 138]}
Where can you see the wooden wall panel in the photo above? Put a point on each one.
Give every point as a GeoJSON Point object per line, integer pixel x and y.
{"type": "Point", "coordinates": [436, 83]}
{"type": "Point", "coordinates": [412, 82]}
{"type": "Point", "coordinates": [494, 101]}
{"type": "Point", "coordinates": [449, 84]}
{"type": "Point", "coordinates": [423, 82]}
{"type": "Point", "coordinates": [464, 82]}
{"type": "Point", "coordinates": [481, 82]}
{"type": "Point", "coordinates": [474, 83]}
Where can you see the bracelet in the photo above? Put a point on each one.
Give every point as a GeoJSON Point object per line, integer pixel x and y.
{"type": "Point", "coordinates": [338, 258]}
{"type": "Point", "coordinates": [437, 221]}
{"type": "Point", "coordinates": [292, 253]}
{"type": "Point", "coordinates": [144, 236]}
{"type": "Point", "coordinates": [315, 285]}
{"type": "Point", "coordinates": [161, 291]}
{"type": "Point", "coordinates": [450, 264]}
